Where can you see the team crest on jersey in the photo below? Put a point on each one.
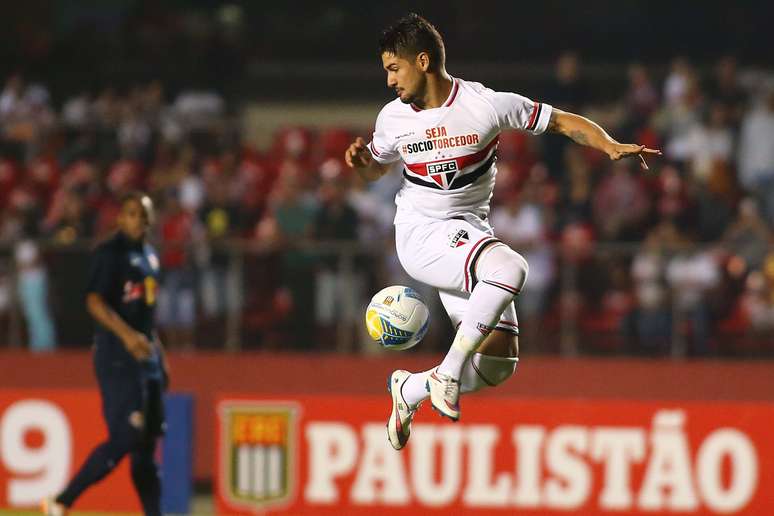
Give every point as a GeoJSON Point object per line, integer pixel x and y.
{"type": "Point", "coordinates": [257, 454]}
{"type": "Point", "coordinates": [443, 172]}
{"type": "Point", "coordinates": [484, 329]}
{"type": "Point", "coordinates": [459, 239]}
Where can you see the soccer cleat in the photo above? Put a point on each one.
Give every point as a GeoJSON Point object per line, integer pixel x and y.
{"type": "Point", "coordinates": [50, 507]}
{"type": "Point", "coordinates": [399, 424]}
{"type": "Point", "coordinates": [444, 394]}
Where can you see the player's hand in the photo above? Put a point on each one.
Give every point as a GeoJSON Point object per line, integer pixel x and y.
{"type": "Point", "coordinates": [623, 150]}
{"type": "Point", "coordinates": [358, 155]}
{"type": "Point", "coordinates": [138, 345]}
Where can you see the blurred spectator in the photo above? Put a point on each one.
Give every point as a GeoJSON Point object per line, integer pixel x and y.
{"type": "Point", "coordinates": [177, 299]}
{"type": "Point", "coordinates": [621, 204]}
{"type": "Point", "coordinates": [691, 275]}
{"type": "Point", "coordinates": [197, 109]}
{"type": "Point", "coordinates": [32, 285]}
{"type": "Point", "coordinates": [754, 311]}
{"type": "Point", "coordinates": [756, 154]}
{"type": "Point", "coordinates": [288, 222]}
{"type": "Point", "coordinates": [679, 82]}
{"type": "Point", "coordinates": [568, 90]}
{"type": "Point", "coordinates": [642, 98]}
{"type": "Point", "coordinates": [73, 223]}
{"type": "Point", "coordinates": [171, 165]}
{"type": "Point", "coordinates": [338, 289]}
{"type": "Point", "coordinates": [221, 219]}
{"type": "Point", "coordinates": [22, 216]}
{"type": "Point", "coordinates": [710, 149]}
{"type": "Point", "coordinates": [134, 134]}
{"type": "Point", "coordinates": [577, 189]}
{"type": "Point", "coordinates": [748, 238]}
{"type": "Point", "coordinates": [673, 202]}
{"type": "Point", "coordinates": [681, 111]}
{"type": "Point", "coordinates": [11, 101]}
{"type": "Point", "coordinates": [650, 324]}
{"type": "Point", "coordinates": [725, 89]}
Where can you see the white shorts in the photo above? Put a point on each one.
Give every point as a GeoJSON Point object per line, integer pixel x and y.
{"type": "Point", "coordinates": [443, 254]}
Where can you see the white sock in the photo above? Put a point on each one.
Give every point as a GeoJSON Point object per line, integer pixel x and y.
{"type": "Point", "coordinates": [414, 390]}
{"type": "Point", "coordinates": [486, 304]}
{"type": "Point", "coordinates": [455, 358]}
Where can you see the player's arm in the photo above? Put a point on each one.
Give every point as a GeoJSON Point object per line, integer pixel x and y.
{"type": "Point", "coordinates": [135, 342]}
{"type": "Point", "coordinates": [586, 132]}
{"type": "Point", "coordinates": [358, 157]}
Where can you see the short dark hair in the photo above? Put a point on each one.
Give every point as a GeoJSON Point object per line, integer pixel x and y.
{"type": "Point", "coordinates": [143, 200]}
{"type": "Point", "coordinates": [411, 35]}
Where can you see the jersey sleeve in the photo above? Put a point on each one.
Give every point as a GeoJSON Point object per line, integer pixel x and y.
{"type": "Point", "coordinates": [517, 112]}
{"type": "Point", "coordinates": [382, 149]}
{"type": "Point", "coordinates": [102, 274]}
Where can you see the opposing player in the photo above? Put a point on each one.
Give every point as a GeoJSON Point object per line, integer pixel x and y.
{"type": "Point", "coordinates": [443, 132]}
{"type": "Point", "coordinates": [128, 360]}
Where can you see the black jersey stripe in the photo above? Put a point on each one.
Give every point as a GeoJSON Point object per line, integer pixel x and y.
{"type": "Point", "coordinates": [458, 181]}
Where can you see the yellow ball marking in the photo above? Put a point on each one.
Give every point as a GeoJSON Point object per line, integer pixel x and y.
{"type": "Point", "coordinates": [373, 324]}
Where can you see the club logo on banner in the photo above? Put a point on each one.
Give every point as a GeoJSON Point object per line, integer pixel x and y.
{"type": "Point", "coordinates": [258, 455]}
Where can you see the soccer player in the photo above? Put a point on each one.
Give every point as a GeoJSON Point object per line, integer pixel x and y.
{"type": "Point", "coordinates": [443, 132]}
{"type": "Point", "coordinates": [128, 359]}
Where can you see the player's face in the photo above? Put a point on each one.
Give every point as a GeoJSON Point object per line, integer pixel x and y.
{"type": "Point", "coordinates": [406, 77]}
{"type": "Point", "coordinates": [132, 220]}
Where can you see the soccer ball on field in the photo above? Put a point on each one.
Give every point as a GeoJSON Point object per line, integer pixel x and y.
{"type": "Point", "coordinates": [397, 318]}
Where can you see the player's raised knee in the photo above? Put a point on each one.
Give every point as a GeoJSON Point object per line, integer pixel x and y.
{"type": "Point", "coordinates": [503, 267]}
{"type": "Point", "coordinates": [487, 371]}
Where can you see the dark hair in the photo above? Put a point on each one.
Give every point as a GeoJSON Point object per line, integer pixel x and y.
{"type": "Point", "coordinates": [143, 200]}
{"type": "Point", "coordinates": [411, 35]}
{"type": "Point", "coordinates": [134, 195]}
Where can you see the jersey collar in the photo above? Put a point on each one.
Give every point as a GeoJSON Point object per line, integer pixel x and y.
{"type": "Point", "coordinates": [452, 95]}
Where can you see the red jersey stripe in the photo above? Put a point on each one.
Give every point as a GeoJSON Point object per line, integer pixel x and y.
{"type": "Point", "coordinates": [462, 161]}
{"type": "Point", "coordinates": [533, 116]}
{"type": "Point", "coordinates": [453, 95]}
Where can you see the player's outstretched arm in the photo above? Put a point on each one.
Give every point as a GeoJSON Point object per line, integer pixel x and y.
{"type": "Point", "coordinates": [358, 157]}
{"type": "Point", "coordinates": [586, 132]}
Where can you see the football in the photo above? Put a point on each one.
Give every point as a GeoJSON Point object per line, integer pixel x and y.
{"type": "Point", "coordinates": [397, 318]}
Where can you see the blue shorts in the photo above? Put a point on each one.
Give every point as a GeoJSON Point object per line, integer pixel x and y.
{"type": "Point", "coordinates": [129, 395]}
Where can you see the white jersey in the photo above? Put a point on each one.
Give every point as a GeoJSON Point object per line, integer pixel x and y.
{"type": "Point", "coordinates": [448, 153]}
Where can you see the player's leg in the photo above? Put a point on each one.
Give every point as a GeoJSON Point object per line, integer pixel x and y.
{"type": "Point", "coordinates": [145, 471]}
{"type": "Point", "coordinates": [443, 254]}
{"type": "Point", "coordinates": [493, 363]}
{"type": "Point", "coordinates": [122, 409]}
{"type": "Point", "coordinates": [498, 353]}
{"type": "Point", "coordinates": [497, 275]}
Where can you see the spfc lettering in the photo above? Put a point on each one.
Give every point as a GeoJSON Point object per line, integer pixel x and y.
{"type": "Point", "coordinates": [459, 239]}
{"type": "Point", "coordinates": [442, 172]}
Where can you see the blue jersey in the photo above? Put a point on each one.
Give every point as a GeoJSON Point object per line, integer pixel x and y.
{"type": "Point", "coordinates": [125, 274]}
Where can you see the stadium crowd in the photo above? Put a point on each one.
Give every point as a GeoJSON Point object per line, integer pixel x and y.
{"type": "Point", "coordinates": [678, 259]}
